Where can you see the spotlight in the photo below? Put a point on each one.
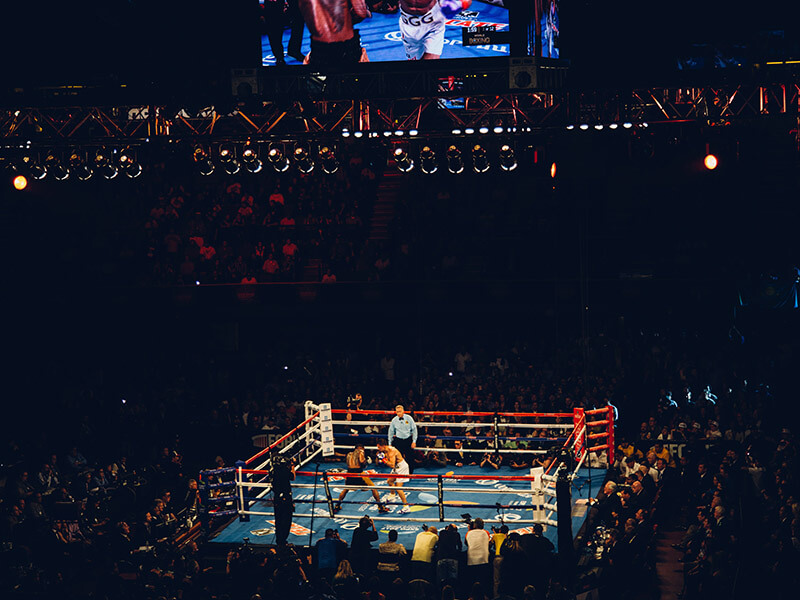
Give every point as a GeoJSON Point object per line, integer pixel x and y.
{"type": "Point", "coordinates": [483, 129]}
{"type": "Point", "coordinates": [455, 164]}
{"type": "Point", "coordinates": [413, 132]}
{"type": "Point", "coordinates": [469, 131]}
{"type": "Point", "coordinates": [508, 162]}
{"type": "Point", "coordinates": [278, 161]}
{"type": "Point", "coordinates": [613, 126]}
{"type": "Point", "coordinates": [427, 160]}
{"type": "Point", "coordinates": [570, 127]}
{"type": "Point", "coordinates": [250, 158]}
{"type": "Point", "coordinates": [456, 132]}
{"type": "Point", "coordinates": [387, 134]}
{"type": "Point", "coordinates": [498, 129]}
{"type": "Point", "coordinates": [54, 166]}
{"type": "Point", "coordinates": [710, 162]}
{"type": "Point", "coordinates": [327, 159]}
{"type": "Point", "coordinates": [399, 133]}
{"type": "Point", "coordinates": [584, 126]}
{"type": "Point", "coordinates": [103, 164]}
{"type": "Point", "coordinates": [303, 160]}
{"type": "Point", "coordinates": [128, 163]}
{"type": "Point", "coordinates": [553, 170]}
{"type": "Point", "coordinates": [358, 134]}
{"type": "Point", "coordinates": [78, 166]}
{"type": "Point", "coordinates": [345, 133]}
{"type": "Point", "coordinates": [627, 125]}
{"type": "Point", "coordinates": [20, 182]}
{"type": "Point", "coordinates": [599, 127]}
{"type": "Point", "coordinates": [227, 157]}
{"type": "Point", "coordinates": [480, 160]}
{"type": "Point", "coordinates": [36, 170]}
{"type": "Point", "coordinates": [402, 160]}
{"type": "Point", "coordinates": [204, 163]}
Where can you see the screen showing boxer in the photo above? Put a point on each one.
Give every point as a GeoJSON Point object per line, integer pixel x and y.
{"type": "Point", "coordinates": [346, 32]}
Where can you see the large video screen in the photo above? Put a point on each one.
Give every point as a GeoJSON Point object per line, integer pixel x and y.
{"type": "Point", "coordinates": [351, 31]}
{"type": "Point", "coordinates": [549, 29]}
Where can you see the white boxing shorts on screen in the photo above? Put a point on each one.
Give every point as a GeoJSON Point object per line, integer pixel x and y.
{"type": "Point", "coordinates": [401, 469]}
{"type": "Point", "coordinates": [423, 33]}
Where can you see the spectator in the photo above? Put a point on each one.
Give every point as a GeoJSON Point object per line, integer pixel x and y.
{"type": "Point", "coordinates": [389, 556]}
{"type": "Point", "coordinates": [345, 582]}
{"type": "Point", "coordinates": [477, 543]}
{"type": "Point", "coordinates": [422, 566]}
{"type": "Point", "coordinates": [361, 546]}
{"type": "Point", "coordinates": [329, 550]}
{"type": "Point", "coordinates": [448, 553]}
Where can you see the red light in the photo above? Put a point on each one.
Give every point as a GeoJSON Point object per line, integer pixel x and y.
{"type": "Point", "coordinates": [20, 182]}
{"type": "Point", "coordinates": [710, 162]}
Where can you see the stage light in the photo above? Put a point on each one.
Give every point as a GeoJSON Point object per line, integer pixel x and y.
{"type": "Point", "coordinates": [613, 126]}
{"type": "Point", "coordinates": [53, 165]}
{"type": "Point", "coordinates": [553, 170]}
{"type": "Point", "coordinates": [358, 134]}
{"type": "Point", "coordinates": [498, 129]}
{"type": "Point", "coordinates": [427, 160]}
{"type": "Point", "coordinates": [599, 127]}
{"type": "Point", "coordinates": [103, 164]}
{"type": "Point", "coordinates": [250, 158]}
{"type": "Point", "coordinates": [36, 170]}
{"type": "Point", "coordinates": [469, 131]}
{"type": "Point", "coordinates": [345, 133]}
{"type": "Point", "coordinates": [710, 162]}
{"type": "Point", "coordinates": [20, 182]}
{"type": "Point", "coordinates": [78, 166]}
{"type": "Point", "coordinates": [480, 160]}
{"type": "Point", "coordinates": [584, 126]}
{"type": "Point", "coordinates": [455, 162]}
{"type": "Point", "coordinates": [627, 125]}
{"type": "Point", "coordinates": [570, 127]}
{"type": "Point", "coordinates": [327, 159]}
{"type": "Point", "coordinates": [413, 132]}
{"type": "Point", "coordinates": [302, 160]}
{"type": "Point", "coordinates": [483, 130]}
{"type": "Point", "coordinates": [128, 163]}
{"type": "Point", "coordinates": [204, 163]}
{"type": "Point", "coordinates": [402, 160]}
{"type": "Point", "coordinates": [227, 157]}
{"type": "Point", "coordinates": [456, 132]}
{"type": "Point", "coordinates": [278, 161]}
{"type": "Point", "coordinates": [399, 133]}
{"type": "Point", "coordinates": [508, 161]}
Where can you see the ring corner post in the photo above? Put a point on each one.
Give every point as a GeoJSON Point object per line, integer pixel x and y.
{"type": "Point", "coordinates": [611, 442]}
{"type": "Point", "coordinates": [244, 507]}
{"type": "Point", "coordinates": [440, 485]}
{"type": "Point", "coordinates": [565, 541]}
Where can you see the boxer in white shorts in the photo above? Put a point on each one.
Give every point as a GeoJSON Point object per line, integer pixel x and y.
{"type": "Point", "coordinates": [422, 25]}
{"type": "Point", "coordinates": [391, 457]}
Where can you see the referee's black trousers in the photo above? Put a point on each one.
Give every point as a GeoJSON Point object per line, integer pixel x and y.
{"type": "Point", "coordinates": [404, 445]}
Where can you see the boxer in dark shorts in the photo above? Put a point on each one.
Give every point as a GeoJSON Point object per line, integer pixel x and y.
{"type": "Point", "coordinates": [334, 42]}
{"type": "Point", "coordinates": [355, 476]}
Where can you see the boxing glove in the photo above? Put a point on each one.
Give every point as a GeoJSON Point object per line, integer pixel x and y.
{"type": "Point", "coordinates": [450, 8]}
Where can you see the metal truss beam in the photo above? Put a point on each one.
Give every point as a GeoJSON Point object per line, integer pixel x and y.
{"type": "Point", "coordinates": [432, 116]}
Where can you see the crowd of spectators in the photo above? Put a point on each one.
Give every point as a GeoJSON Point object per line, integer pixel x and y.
{"type": "Point", "coordinates": [714, 458]}
{"type": "Point", "coordinates": [262, 227]}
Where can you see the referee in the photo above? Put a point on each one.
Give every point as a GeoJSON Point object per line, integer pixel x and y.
{"type": "Point", "coordinates": [403, 435]}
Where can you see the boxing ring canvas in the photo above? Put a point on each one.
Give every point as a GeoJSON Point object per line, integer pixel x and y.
{"type": "Point", "coordinates": [380, 36]}
{"type": "Point", "coordinates": [261, 530]}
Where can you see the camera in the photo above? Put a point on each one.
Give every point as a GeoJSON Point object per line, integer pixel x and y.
{"type": "Point", "coordinates": [424, 527]}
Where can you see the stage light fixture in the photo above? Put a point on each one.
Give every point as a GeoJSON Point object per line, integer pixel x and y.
{"type": "Point", "coordinates": [402, 160]}
{"type": "Point", "coordinates": [710, 162]}
{"type": "Point", "coordinates": [413, 132]}
{"type": "Point", "coordinates": [469, 131]}
{"type": "Point", "coordinates": [427, 160]}
{"type": "Point", "coordinates": [34, 168]}
{"type": "Point", "coordinates": [553, 170]}
{"type": "Point", "coordinates": [387, 134]}
{"type": "Point", "coordinates": [103, 164]}
{"type": "Point", "coordinates": [456, 132]}
{"type": "Point", "coordinates": [204, 163]}
{"type": "Point", "coordinates": [570, 127]}
{"type": "Point", "coordinates": [78, 166]}
{"type": "Point", "coordinates": [627, 125]}
{"type": "Point", "coordinates": [483, 130]}
{"type": "Point", "coordinates": [128, 163]}
{"type": "Point", "coordinates": [358, 134]}
{"type": "Point", "coordinates": [613, 126]}
{"type": "Point", "coordinates": [599, 127]}
{"type": "Point", "coordinates": [399, 133]}
{"type": "Point", "coordinates": [277, 159]}
{"type": "Point", "coordinates": [498, 129]}
{"type": "Point", "coordinates": [303, 160]}
{"type": "Point", "coordinates": [327, 159]}
{"type": "Point", "coordinates": [250, 158]}
{"type": "Point", "coordinates": [345, 133]}
{"type": "Point", "coordinates": [53, 165]}
{"type": "Point", "coordinates": [20, 182]}
{"type": "Point", "coordinates": [584, 126]}
{"type": "Point", "coordinates": [455, 163]}
{"type": "Point", "coordinates": [480, 160]}
{"type": "Point", "coordinates": [227, 156]}
{"type": "Point", "coordinates": [508, 160]}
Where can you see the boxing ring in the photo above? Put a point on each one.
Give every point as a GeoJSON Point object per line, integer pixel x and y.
{"type": "Point", "coordinates": [577, 446]}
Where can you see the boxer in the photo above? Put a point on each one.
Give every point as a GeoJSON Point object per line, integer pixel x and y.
{"type": "Point", "coordinates": [391, 457]}
{"type": "Point", "coordinates": [422, 25]}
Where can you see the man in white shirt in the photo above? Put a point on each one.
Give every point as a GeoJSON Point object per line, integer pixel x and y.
{"type": "Point", "coordinates": [477, 540]}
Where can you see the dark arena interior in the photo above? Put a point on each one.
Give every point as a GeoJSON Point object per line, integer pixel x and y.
{"type": "Point", "coordinates": [400, 300]}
